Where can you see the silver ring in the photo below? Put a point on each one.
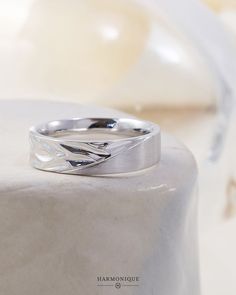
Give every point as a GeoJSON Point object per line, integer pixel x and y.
{"type": "Point", "coordinates": [95, 146]}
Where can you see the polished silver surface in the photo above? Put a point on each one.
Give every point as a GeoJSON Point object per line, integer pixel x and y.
{"type": "Point", "coordinates": [95, 146]}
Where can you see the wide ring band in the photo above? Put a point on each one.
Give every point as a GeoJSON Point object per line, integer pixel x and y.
{"type": "Point", "coordinates": [95, 146]}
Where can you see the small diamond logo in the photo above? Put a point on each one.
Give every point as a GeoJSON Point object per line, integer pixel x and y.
{"type": "Point", "coordinates": [118, 285]}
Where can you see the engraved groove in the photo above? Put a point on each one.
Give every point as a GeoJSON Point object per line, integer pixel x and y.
{"type": "Point", "coordinates": [69, 156]}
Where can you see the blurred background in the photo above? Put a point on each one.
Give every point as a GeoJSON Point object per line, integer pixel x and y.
{"type": "Point", "coordinates": [172, 62]}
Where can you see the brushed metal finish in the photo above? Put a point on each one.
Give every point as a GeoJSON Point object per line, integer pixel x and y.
{"type": "Point", "coordinates": [94, 146]}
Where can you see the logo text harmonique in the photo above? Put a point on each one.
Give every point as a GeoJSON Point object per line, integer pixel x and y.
{"type": "Point", "coordinates": [117, 279]}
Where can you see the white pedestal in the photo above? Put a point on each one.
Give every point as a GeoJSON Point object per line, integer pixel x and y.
{"type": "Point", "coordinates": [60, 232]}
